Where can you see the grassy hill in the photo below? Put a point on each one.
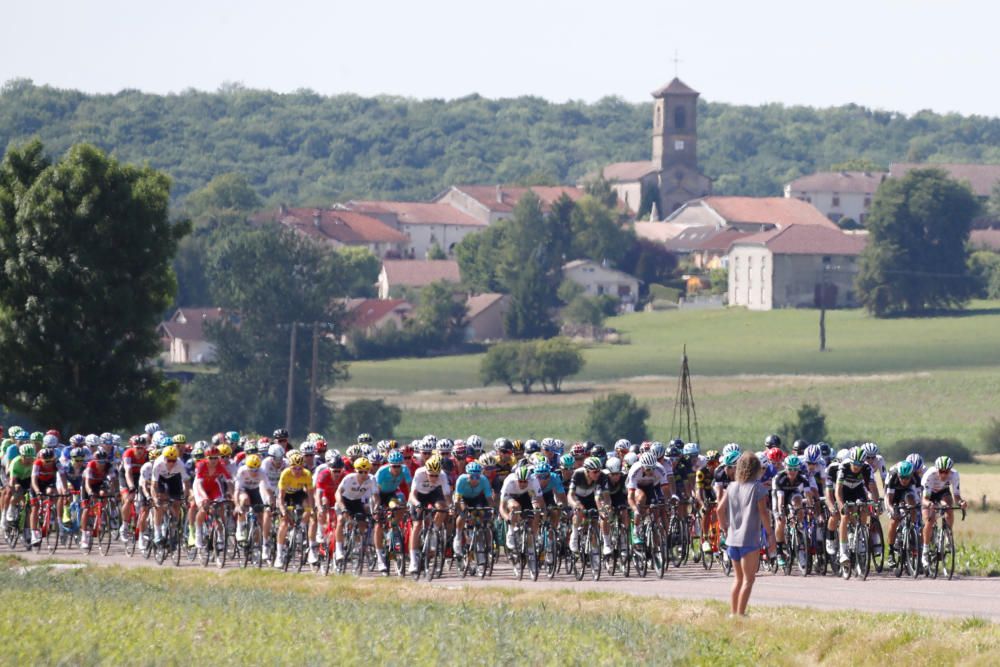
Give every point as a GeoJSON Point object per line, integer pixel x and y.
{"type": "Point", "coordinates": [737, 341]}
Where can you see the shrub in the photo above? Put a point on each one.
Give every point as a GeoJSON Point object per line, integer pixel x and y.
{"type": "Point", "coordinates": [810, 425]}
{"type": "Point", "coordinates": [616, 416]}
{"type": "Point", "coordinates": [584, 310]}
{"type": "Point", "coordinates": [500, 365]}
{"type": "Point", "coordinates": [366, 416]}
{"type": "Point", "coordinates": [929, 448]}
{"type": "Point", "coordinates": [527, 362]}
{"type": "Point", "coordinates": [557, 359]}
{"type": "Point", "coordinates": [991, 437]}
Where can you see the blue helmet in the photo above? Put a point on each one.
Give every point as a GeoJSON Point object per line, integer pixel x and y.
{"type": "Point", "coordinates": [542, 469]}
{"type": "Point", "coordinates": [395, 457]}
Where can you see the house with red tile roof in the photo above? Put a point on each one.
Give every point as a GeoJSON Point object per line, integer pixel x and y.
{"type": "Point", "coordinates": [484, 317]}
{"type": "Point", "coordinates": [425, 224]}
{"type": "Point", "coordinates": [184, 337]}
{"type": "Point", "coordinates": [415, 273]}
{"type": "Point", "coordinates": [838, 194]}
{"type": "Point", "coordinates": [750, 214]}
{"type": "Point", "coordinates": [797, 266]}
{"type": "Point", "coordinates": [982, 178]}
{"type": "Point", "coordinates": [340, 228]}
{"type": "Point", "coordinates": [367, 316]}
{"type": "Point", "coordinates": [490, 203]}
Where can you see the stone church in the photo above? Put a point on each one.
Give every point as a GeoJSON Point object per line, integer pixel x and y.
{"type": "Point", "coordinates": [672, 176]}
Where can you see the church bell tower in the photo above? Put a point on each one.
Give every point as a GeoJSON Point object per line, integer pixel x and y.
{"type": "Point", "coordinates": [675, 126]}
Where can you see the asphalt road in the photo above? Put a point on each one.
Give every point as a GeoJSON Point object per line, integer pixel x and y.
{"type": "Point", "coordinates": [962, 596]}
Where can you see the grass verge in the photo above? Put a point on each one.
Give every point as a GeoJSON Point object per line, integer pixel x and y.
{"type": "Point", "coordinates": [192, 617]}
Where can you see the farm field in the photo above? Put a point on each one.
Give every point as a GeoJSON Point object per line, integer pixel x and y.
{"type": "Point", "coordinates": [736, 341]}
{"type": "Point", "coordinates": [205, 614]}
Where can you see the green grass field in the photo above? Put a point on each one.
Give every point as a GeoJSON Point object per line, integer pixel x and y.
{"type": "Point", "coordinates": [737, 341]}
{"type": "Point", "coordinates": [170, 617]}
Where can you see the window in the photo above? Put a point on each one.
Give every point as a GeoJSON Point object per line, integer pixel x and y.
{"type": "Point", "coordinates": [868, 202]}
{"type": "Point", "coordinates": [679, 145]}
{"type": "Point", "coordinates": [658, 110]}
{"type": "Point", "coordinates": [836, 199]}
{"type": "Point", "coordinates": [680, 118]}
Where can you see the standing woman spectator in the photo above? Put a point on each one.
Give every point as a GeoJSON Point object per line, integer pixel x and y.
{"type": "Point", "coordinates": [742, 512]}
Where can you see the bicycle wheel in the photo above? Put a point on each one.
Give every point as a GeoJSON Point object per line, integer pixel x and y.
{"type": "Point", "coordinates": [397, 549]}
{"type": "Point", "coordinates": [864, 560]}
{"type": "Point", "coordinates": [52, 530]}
{"type": "Point", "coordinates": [520, 553]}
{"type": "Point", "coordinates": [551, 550]}
{"type": "Point", "coordinates": [876, 545]}
{"type": "Point", "coordinates": [206, 551]}
{"type": "Point", "coordinates": [594, 547]}
{"type": "Point", "coordinates": [130, 536]}
{"type": "Point", "coordinates": [105, 533]}
{"type": "Point", "coordinates": [220, 542]}
{"type": "Point", "coordinates": [913, 551]}
{"type": "Point", "coordinates": [790, 545]}
{"type": "Point", "coordinates": [935, 555]}
{"type": "Point", "coordinates": [725, 562]}
{"type": "Point", "coordinates": [362, 555]}
{"type": "Point", "coordinates": [675, 542]}
{"type": "Point", "coordinates": [900, 547]}
{"type": "Point", "coordinates": [579, 556]}
{"type": "Point", "coordinates": [178, 539]}
{"type": "Point", "coordinates": [947, 552]}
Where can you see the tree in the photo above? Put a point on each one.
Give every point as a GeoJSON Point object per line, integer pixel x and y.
{"type": "Point", "coordinates": [993, 203]}
{"type": "Point", "coordinates": [858, 164]}
{"type": "Point", "coordinates": [86, 247]}
{"type": "Point", "coordinates": [650, 262]}
{"type": "Point", "coordinates": [531, 271]}
{"type": "Point", "coordinates": [615, 416]}
{"type": "Point", "coordinates": [984, 267]}
{"type": "Point", "coordinates": [500, 364]}
{"type": "Point", "coordinates": [584, 310]}
{"type": "Point", "coordinates": [435, 252]}
{"type": "Point", "coordinates": [809, 425]}
{"type": "Point", "coordinates": [916, 257]}
{"type": "Point", "coordinates": [719, 281]}
{"type": "Point", "coordinates": [439, 317]}
{"type": "Point", "coordinates": [597, 235]}
{"type": "Point", "coordinates": [362, 269]}
{"type": "Point", "coordinates": [224, 195]}
{"type": "Point", "coordinates": [557, 359]}
{"type": "Point", "coordinates": [271, 277]}
{"type": "Point", "coordinates": [367, 416]}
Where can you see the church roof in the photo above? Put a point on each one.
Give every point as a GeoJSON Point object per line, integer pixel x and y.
{"type": "Point", "coordinates": [675, 87]}
{"type": "Point", "coordinates": [618, 172]}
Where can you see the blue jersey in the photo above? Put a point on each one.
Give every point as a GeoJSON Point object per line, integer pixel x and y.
{"type": "Point", "coordinates": [554, 483]}
{"type": "Point", "coordinates": [464, 488]}
{"type": "Point", "coordinates": [389, 483]}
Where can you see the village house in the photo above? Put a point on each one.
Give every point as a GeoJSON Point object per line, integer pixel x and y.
{"type": "Point", "coordinates": [489, 203]}
{"type": "Point", "coordinates": [341, 228]}
{"type": "Point", "coordinates": [184, 338]}
{"type": "Point", "coordinates": [425, 225]}
{"type": "Point", "coordinates": [368, 316]}
{"type": "Point", "coordinates": [597, 279]}
{"type": "Point", "coordinates": [838, 194]}
{"type": "Point", "coordinates": [749, 214]}
{"type": "Point", "coordinates": [484, 317]}
{"type": "Point", "coordinates": [415, 273]}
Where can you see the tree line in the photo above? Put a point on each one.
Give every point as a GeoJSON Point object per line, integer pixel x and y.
{"type": "Point", "coordinates": [311, 149]}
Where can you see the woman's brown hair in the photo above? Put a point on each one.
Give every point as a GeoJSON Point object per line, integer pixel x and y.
{"type": "Point", "coordinates": [747, 468]}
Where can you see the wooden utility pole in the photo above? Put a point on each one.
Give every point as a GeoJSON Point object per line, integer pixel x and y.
{"type": "Point", "coordinates": [822, 308]}
{"type": "Point", "coordinates": [291, 380]}
{"type": "Point", "coordinates": [685, 415]}
{"type": "Point", "coordinates": [313, 389]}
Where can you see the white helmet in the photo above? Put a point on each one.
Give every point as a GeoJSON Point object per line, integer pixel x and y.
{"type": "Point", "coordinates": [732, 447]}
{"type": "Point", "coordinates": [151, 428]}
{"type": "Point", "coordinates": [50, 441]}
{"type": "Point", "coordinates": [613, 465]}
{"type": "Point", "coordinates": [92, 440]}
{"type": "Point", "coordinates": [474, 442]}
{"type": "Point", "coordinates": [158, 437]}
{"type": "Point", "coordinates": [843, 454]}
{"type": "Point", "coordinates": [276, 451]}
{"type": "Point", "coordinates": [307, 448]}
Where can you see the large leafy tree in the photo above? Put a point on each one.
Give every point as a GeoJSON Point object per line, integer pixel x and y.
{"type": "Point", "coordinates": [531, 270]}
{"type": "Point", "coordinates": [915, 260]}
{"type": "Point", "coordinates": [86, 247]}
{"type": "Point", "coordinates": [269, 277]}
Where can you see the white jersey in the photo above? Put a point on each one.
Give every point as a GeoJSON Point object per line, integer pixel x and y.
{"type": "Point", "coordinates": [352, 488]}
{"type": "Point", "coordinates": [163, 469]}
{"type": "Point", "coordinates": [422, 482]}
{"type": "Point", "coordinates": [511, 488]}
{"type": "Point", "coordinates": [878, 466]}
{"type": "Point", "coordinates": [641, 477]}
{"type": "Point", "coordinates": [272, 468]}
{"type": "Point", "coordinates": [146, 471]}
{"type": "Point", "coordinates": [699, 463]}
{"type": "Point", "coordinates": [249, 479]}
{"type": "Point", "coordinates": [933, 483]}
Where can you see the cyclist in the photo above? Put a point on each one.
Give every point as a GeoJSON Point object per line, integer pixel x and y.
{"type": "Point", "coordinates": [207, 488]}
{"type": "Point", "coordinates": [43, 481]}
{"type": "Point", "coordinates": [726, 472]}
{"type": "Point", "coordinates": [789, 487]}
{"type": "Point", "coordinates": [246, 494]}
{"type": "Point", "coordinates": [520, 491]}
{"type": "Point", "coordinates": [429, 489]}
{"type": "Point", "coordinates": [615, 469]}
{"type": "Point", "coordinates": [682, 464]}
{"type": "Point", "coordinates": [588, 490]}
{"type": "Point", "coordinates": [941, 488]}
{"type": "Point", "coordinates": [352, 497]}
{"type": "Point", "coordinates": [390, 479]}
{"type": "Point", "coordinates": [551, 485]}
{"type": "Point", "coordinates": [144, 496]}
{"type": "Point", "coordinates": [900, 489]}
{"type": "Point", "coordinates": [647, 483]}
{"type": "Point", "coordinates": [327, 481]}
{"type": "Point", "coordinates": [272, 466]}
{"type": "Point", "coordinates": [704, 493]}
{"type": "Point", "coordinates": [471, 490]}
{"type": "Point", "coordinates": [133, 459]}
{"type": "Point", "coordinates": [293, 491]}
{"type": "Point", "coordinates": [70, 479]}
{"type": "Point", "coordinates": [854, 484]}
{"type": "Point", "coordinates": [505, 457]}
{"type": "Point", "coordinates": [874, 459]}
{"type": "Point", "coordinates": [170, 482]}
{"type": "Point", "coordinates": [95, 483]}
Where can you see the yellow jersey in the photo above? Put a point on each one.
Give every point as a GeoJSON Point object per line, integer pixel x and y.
{"type": "Point", "coordinates": [291, 482]}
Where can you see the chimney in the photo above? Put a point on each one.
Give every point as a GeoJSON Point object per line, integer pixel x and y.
{"type": "Point", "coordinates": [317, 216]}
{"type": "Point", "coordinates": [499, 194]}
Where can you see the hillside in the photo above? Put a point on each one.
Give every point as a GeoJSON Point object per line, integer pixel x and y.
{"type": "Point", "coordinates": [309, 149]}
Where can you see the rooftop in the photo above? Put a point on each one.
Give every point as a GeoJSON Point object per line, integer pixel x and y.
{"type": "Point", "coordinates": [503, 199]}
{"type": "Point", "coordinates": [982, 177]}
{"type": "Point", "coordinates": [675, 87]}
{"type": "Point", "coordinates": [346, 227]}
{"type": "Point", "coordinates": [780, 211]}
{"type": "Point", "coordinates": [840, 181]}
{"type": "Point", "coordinates": [420, 272]}
{"type": "Point", "coordinates": [417, 213]}
{"type": "Point", "coordinates": [807, 240]}
{"type": "Point", "coordinates": [189, 323]}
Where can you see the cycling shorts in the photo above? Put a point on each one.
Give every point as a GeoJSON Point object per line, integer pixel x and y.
{"type": "Point", "coordinates": [172, 487]}
{"type": "Point", "coordinates": [386, 497]}
{"type": "Point", "coordinates": [354, 506]}
{"type": "Point", "coordinates": [426, 499]}
{"type": "Point", "coordinates": [522, 499]}
{"type": "Point", "coordinates": [87, 496]}
{"type": "Point", "coordinates": [254, 496]}
{"type": "Point", "coordinates": [21, 483]}
{"type": "Point", "coordinates": [856, 495]}
{"type": "Point", "coordinates": [942, 496]}
{"type": "Point", "coordinates": [295, 498]}
{"type": "Point", "coordinates": [619, 500]}
{"type": "Point", "coordinates": [475, 501]}
{"type": "Point", "coordinates": [588, 502]}
{"type": "Point", "coordinates": [46, 487]}
{"type": "Point", "coordinates": [549, 498]}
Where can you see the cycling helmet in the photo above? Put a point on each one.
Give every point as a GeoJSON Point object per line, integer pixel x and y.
{"type": "Point", "coordinates": [77, 440]}
{"type": "Point", "coordinates": [336, 463]}
{"type": "Point", "coordinates": [50, 441]}
{"type": "Point", "coordinates": [158, 437]}
{"type": "Point", "coordinates": [647, 461]}
{"type": "Point", "coordinates": [762, 457]}
{"type": "Point", "coordinates": [433, 464]}
{"type": "Point", "coordinates": [364, 439]}
{"type": "Point", "coordinates": [251, 448]}
{"type": "Point", "coordinates": [377, 459]}
{"type": "Point", "coordinates": [622, 445]}
{"type": "Point", "coordinates": [426, 447]}
{"type": "Point", "coordinates": [825, 449]}
{"type": "Point", "coordinates": [353, 452]}
{"type": "Point", "coordinates": [531, 446]}
{"type": "Point", "coordinates": [218, 439]}
{"type": "Point", "coordinates": [47, 454]}
{"type": "Point", "coordinates": [917, 460]}
{"type": "Point", "coordinates": [543, 468]}
{"type": "Point", "coordinates": [793, 462]}
{"type": "Point", "coordinates": [732, 447]}
{"type": "Point", "coordinates": [475, 443]}
{"type": "Point", "coordinates": [180, 439]}
{"type": "Point", "coordinates": [870, 449]}
{"type": "Point", "coordinates": [431, 438]}
{"type": "Point", "coordinates": [225, 450]}
{"type": "Point", "coordinates": [21, 436]}
{"type": "Point", "coordinates": [382, 446]}
{"type": "Point", "coordinates": [559, 446]}
{"type": "Point", "coordinates": [613, 465]}
{"type": "Point", "coordinates": [518, 446]}
{"type": "Point", "coordinates": [578, 449]}
{"type": "Point", "coordinates": [567, 461]}
{"type": "Point", "coordinates": [166, 442]}
{"type": "Point", "coordinates": [101, 455]}
{"type": "Point", "coordinates": [488, 460]}
{"type": "Point", "coordinates": [280, 434]}
{"type": "Point", "coordinates": [857, 455]}
{"type": "Point", "coordinates": [253, 462]}
{"type": "Point", "coordinates": [116, 439]}
{"type": "Point", "coordinates": [154, 453]}
{"type": "Point", "coordinates": [814, 454]}
{"type": "Point", "coordinates": [523, 473]}
{"type": "Point", "coordinates": [392, 444]}
{"type": "Point", "coordinates": [51, 431]}
{"type": "Point", "coordinates": [658, 450]}
{"type": "Point", "coordinates": [92, 440]}
{"type": "Point", "coordinates": [503, 445]}
{"type": "Point", "coordinates": [106, 438]}
{"type": "Point", "coordinates": [712, 456]}
{"type": "Point", "coordinates": [198, 452]}
{"type": "Point", "coordinates": [843, 454]}
{"type": "Point", "coordinates": [644, 447]}
{"type": "Point", "coordinates": [151, 428]}
{"type": "Point", "coordinates": [731, 458]}
{"type": "Point", "coordinates": [362, 465]}
{"type": "Point", "coordinates": [905, 469]}
{"type": "Point", "coordinates": [232, 437]}
{"type": "Point", "coordinates": [799, 446]}
{"type": "Point", "coordinates": [77, 454]}
{"type": "Point", "coordinates": [944, 463]}
{"type": "Point", "coordinates": [296, 459]}
{"type": "Point", "coordinates": [598, 451]}
{"type": "Point", "coordinates": [170, 453]}
{"type": "Point", "coordinates": [308, 448]}
{"type": "Point", "coordinates": [676, 442]}
{"type": "Point", "coordinates": [775, 455]}
{"type": "Point", "coordinates": [445, 445]}
{"type": "Point", "coordinates": [675, 452]}
{"type": "Point", "coordinates": [395, 458]}
{"type": "Point", "coordinates": [593, 463]}
{"type": "Point", "coordinates": [461, 450]}
{"type": "Point", "coordinates": [548, 444]}
{"type": "Point", "coordinates": [276, 451]}
{"type": "Point", "coordinates": [772, 441]}
{"type": "Point", "coordinates": [474, 469]}
{"type": "Point", "coordinates": [630, 459]}
{"type": "Point", "coordinates": [691, 449]}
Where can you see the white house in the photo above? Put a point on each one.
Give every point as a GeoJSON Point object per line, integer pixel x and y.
{"type": "Point", "coordinates": [184, 338]}
{"type": "Point", "coordinates": [425, 224]}
{"type": "Point", "coordinates": [415, 273]}
{"type": "Point", "coordinates": [794, 267]}
{"type": "Point", "coordinates": [749, 214]}
{"type": "Point", "coordinates": [597, 279]}
{"type": "Point", "coordinates": [838, 194]}
{"type": "Point", "coordinates": [340, 228]}
{"type": "Point", "coordinates": [490, 203]}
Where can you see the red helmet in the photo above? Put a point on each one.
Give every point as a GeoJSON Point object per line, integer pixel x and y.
{"type": "Point", "coordinates": [218, 439]}
{"type": "Point", "coordinates": [775, 455]}
{"type": "Point", "coordinates": [133, 441]}
{"type": "Point", "coordinates": [212, 451]}
{"type": "Point", "coordinates": [406, 448]}
{"type": "Point", "coordinates": [51, 431]}
{"type": "Point", "coordinates": [321, 447]}
{"type": "Point", "coordinates": [348, 463]}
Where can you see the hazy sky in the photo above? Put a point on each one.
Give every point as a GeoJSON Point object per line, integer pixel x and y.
{"type": "Point", "coordinates": [902, 55]}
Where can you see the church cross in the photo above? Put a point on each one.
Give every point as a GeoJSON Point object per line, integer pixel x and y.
{"type": "Point", "coordinates": [677, 61]}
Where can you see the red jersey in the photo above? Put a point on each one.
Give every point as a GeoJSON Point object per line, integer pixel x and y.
{"type": "Point", "coordinates": [133, 459]}
{"type": "Point", "coordinates": [96, 472]}
{"type": "Point", "coordinates": [44, 472]}
{"type": "Point", "coordinates": [328, 481]}
{"type": "Point", "coordinates": [202, 472]}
